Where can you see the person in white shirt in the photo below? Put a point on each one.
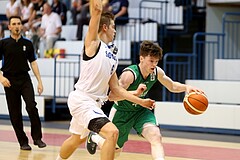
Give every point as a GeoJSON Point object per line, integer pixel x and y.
{"type": "Point", "coordinates": [50, 29]}
{"type": "Point", "coordinates": [13, 8]}
{"type": "Point", "coordinates": [97, 76]}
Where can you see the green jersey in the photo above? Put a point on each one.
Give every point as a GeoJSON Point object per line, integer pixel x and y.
{"type": "Point", "coordinates": [138, 79]}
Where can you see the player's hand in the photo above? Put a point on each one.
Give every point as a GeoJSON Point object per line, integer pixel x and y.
{"type": "Point", "coordinates": [148, 103]}
{"type": "Point", "coordinates": [141, 88]}
{"type": "Point", "coordinates": [5, 82]}
{"type": "Point", "coordinates": [194, 89]}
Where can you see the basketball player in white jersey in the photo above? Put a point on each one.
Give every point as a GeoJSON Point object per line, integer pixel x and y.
{"type": "Point", "coordinates": [98, 73]}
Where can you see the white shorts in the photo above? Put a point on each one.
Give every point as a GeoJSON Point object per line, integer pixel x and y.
{"type": "Point", "coordinates": [83, 108]}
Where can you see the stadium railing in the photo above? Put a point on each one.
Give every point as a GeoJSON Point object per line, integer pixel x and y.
{"type": "Point", "coordinates": [207, 47]}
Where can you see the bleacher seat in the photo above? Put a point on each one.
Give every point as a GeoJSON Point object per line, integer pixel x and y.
{"type": "Point", "coordinates": [69, 32]}
{"type": "Point", "coordinates": [137, 32]}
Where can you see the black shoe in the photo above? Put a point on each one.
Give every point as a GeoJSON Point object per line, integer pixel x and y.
{"type": "Point", "coordinates": [25, 147]}
{"type": "Point", "coordinates": [39, 143]}
{"type": "Point", "coordinates": [91, 146]}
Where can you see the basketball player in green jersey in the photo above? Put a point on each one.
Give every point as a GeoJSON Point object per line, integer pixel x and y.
{"type": "Point", "coordinates": [138, 79]}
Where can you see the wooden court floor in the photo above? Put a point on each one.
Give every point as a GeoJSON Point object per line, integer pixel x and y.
{"type": "Point", "coordinates": [178, 145]}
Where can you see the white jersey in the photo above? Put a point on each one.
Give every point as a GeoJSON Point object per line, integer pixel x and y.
{"type": "Point", "coordinates": [96, 72]}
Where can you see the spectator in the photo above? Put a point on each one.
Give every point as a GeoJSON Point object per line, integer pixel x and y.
{"type": "Point", "coordinates": [61, 9]}
{"type": "Point", "coordinates": [50, 29]}
{"type": "Point", "coordinates": [13, 8]}
{"type": "Point", "coordinates": [35, 18]}
{"type": "Point", "coordinates": [35, 21]}
{"type": "Point", "coordinates": [85, 17]}
{"type": "Point", "coordinates": [26, 11]}
{"type": "Point", "coordinates": [76, 9]}
{"type": "Point", "coordinates": [120, 9]}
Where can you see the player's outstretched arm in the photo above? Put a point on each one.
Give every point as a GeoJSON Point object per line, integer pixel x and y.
{"type": "Point", "coordinates": [91, 41]}
{"type": "Point", "coordinates": [174, 86]}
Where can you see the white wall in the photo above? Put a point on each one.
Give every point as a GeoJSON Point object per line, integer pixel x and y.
{"type": "Point", "coordinates": [216, 116]}
{"type": "Point", "coordinates": [227, 69]}
{"type": "Point", "coordinates": [222, 113]}
{"type": "Point", "coordinates": [214, 16]}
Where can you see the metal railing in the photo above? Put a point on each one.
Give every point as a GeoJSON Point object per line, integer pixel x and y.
{"type": "Point", "coordinates": [66, 71]}
{"type": "Point", "coordinates": [231, 30]}
{"type": "Point", "coordinates": [206, 48]}
{"type": "Point", "coordinates": [178, 66]}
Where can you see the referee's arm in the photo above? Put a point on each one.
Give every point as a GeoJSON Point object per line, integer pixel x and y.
{"type": "Point", "coordinates": [36, 72]}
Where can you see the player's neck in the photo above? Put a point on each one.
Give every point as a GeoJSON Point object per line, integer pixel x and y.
{"type": "Point", "coordinates": [103, 38]}
{"type": "Point", "coordinates": [143, 71]}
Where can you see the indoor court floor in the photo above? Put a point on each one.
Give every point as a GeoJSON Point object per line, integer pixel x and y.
{"type": "Point", "coordinates": [178, 145]}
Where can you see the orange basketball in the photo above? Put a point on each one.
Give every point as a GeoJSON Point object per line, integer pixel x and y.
{"type": "Point", "coordinates": [195, 103]}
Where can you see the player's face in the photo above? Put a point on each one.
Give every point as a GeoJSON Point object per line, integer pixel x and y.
{"type": "Point", "coordinates": [15, 26]}
{"type": "Point", "coordinates": [111, 32]}
{"type": "Point", "coordinates": [149, 63]}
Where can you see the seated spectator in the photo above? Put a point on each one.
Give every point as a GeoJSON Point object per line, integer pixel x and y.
{"type": "Point", "coordinates": [26, 10]}
{"type": "Point", "coordinates": [120, 9]}
{"type": "Point", "coordinates": [50, 29]}
{"type": "Point", "coordinates": [35, 18]}
{"type": "Point", "coordinates": [35, 21]}
{"type": "Point", "coordinates": [61, 9]}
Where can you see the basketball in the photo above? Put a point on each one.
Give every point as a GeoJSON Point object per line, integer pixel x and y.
{"type": "Point", "coordinates": [195, 103]}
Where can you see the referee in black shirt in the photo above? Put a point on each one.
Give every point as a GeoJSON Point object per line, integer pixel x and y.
{"type": "Point", "coordinates": [15, 53]}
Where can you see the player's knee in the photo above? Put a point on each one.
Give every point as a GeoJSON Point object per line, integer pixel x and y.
{"type": "Point", "coordinates": [153, 135]}
{"type": "Point", "coordinates": [75, 141]}
{"type": "Point", "coordinates": [112, 134]}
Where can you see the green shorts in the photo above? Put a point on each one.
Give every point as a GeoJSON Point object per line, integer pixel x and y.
{"type": "Point", "coordinates": [125, 121]}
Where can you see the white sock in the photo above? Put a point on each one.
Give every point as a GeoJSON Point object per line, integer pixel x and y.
{"type": "Point", "coordinates": [59, 158]}
{"type": "Point", "coordinates": [159, 159]}
{"type": "Point", "coordinates": [97, 138]}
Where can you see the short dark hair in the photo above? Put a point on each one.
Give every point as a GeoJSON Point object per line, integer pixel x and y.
{"type": "Point", "coordinates": [150, 48]}
{"type": "Point", "coordinates": [106, 18]}
{"type": "Point", "coordinates": [18, 17]}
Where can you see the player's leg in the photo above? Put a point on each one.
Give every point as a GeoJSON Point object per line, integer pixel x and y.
{"type": "Point", "coordinates": [146, 125]}
{"type": "Point", "coordinates": [109, 131]}
{"type": "Point", "coordinates": [69, 146]}
{"type": "Point", "coordinates": [152, 134]}
{"type": "Point", "coordinates": [95, 139]}
{"type": "Point", "coordinates": [124, 129]}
